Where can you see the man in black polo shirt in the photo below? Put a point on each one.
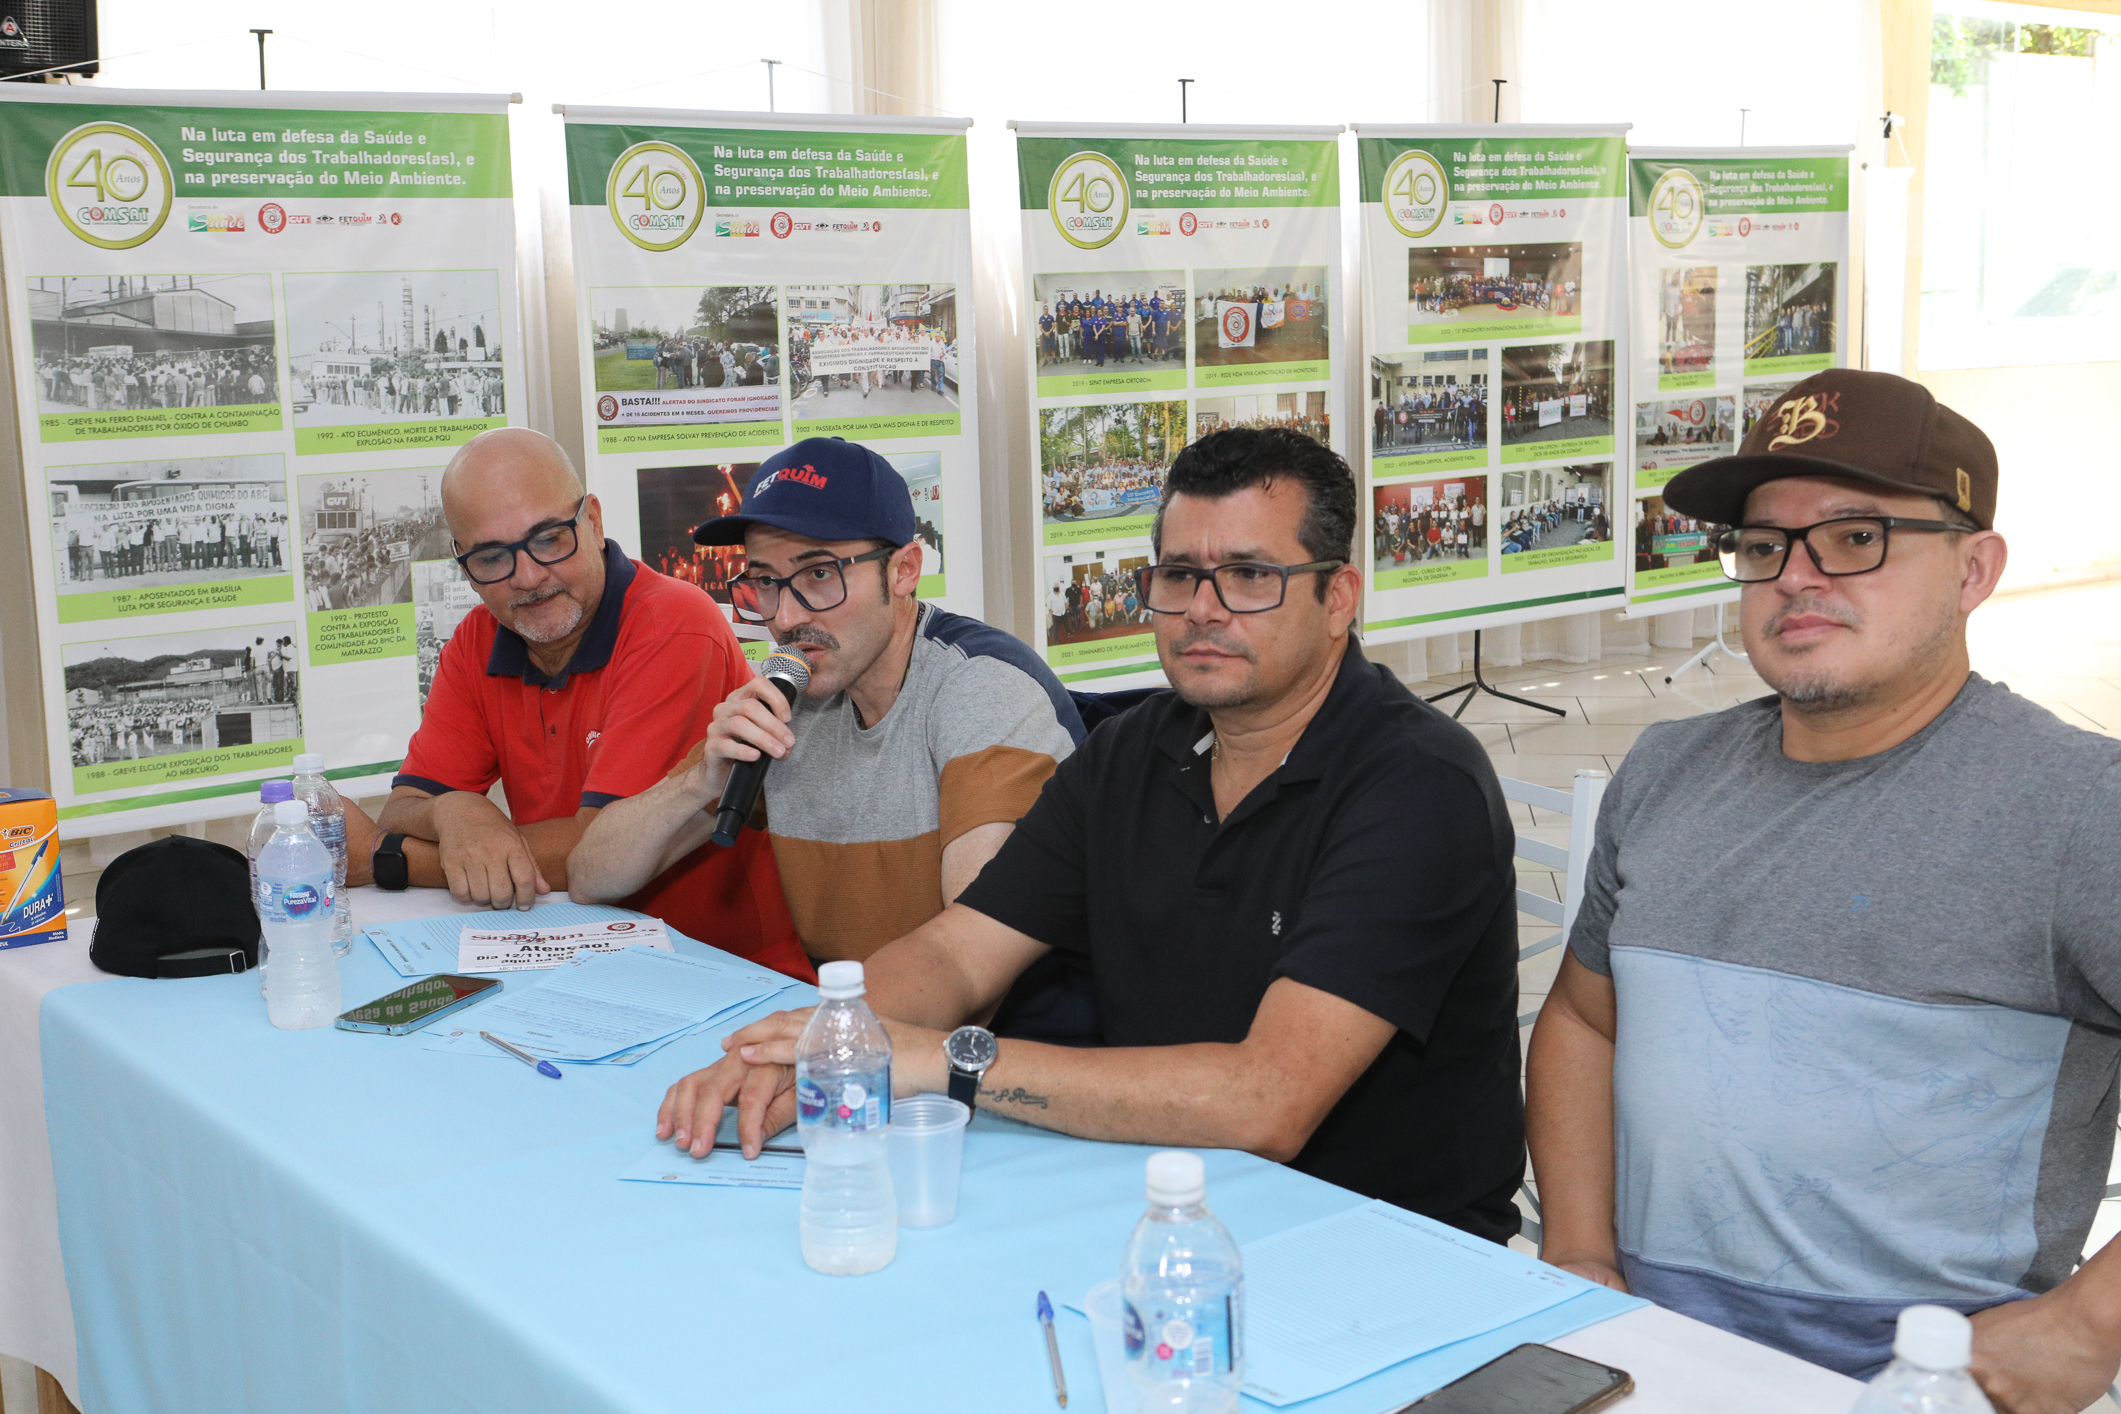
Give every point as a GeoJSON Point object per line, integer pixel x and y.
{"type": "Point", "coordinates": [1292, 878]}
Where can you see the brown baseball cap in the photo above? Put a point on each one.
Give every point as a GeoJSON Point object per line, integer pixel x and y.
{"type": "Point", "coordinates": [1875, 428]}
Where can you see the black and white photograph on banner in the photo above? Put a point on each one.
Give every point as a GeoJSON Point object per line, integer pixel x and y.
{"type": "Point", "coordinates": [362, 532]}
{"type": "Point", "coordinates": [1493, 282]}
{"type": "Point", "coordinates": [1105, 462]}
{"type": "Point", "coordinates": [1555, 508]}
{"type": "Point", "coordinates": [191, 520]}
{"type": "Point", "coordinates": [1664, 538]}
{"type": "Point", "coordinates": [1789, 310]}
{"type": "Point", "coordinates": [923, 472]}
{"type": "Point", "coordinates": [871, 350]}
{"type": "Point", "coordinates": [689, 354]}
{"type": "Point", "coordinates": [441, 597]}
{"type": "Point", "coordinates": [394, 346]}
{"type": "Point", "coordinates": [1443, 519]}
{"type": "Point", "coordinates": [1758, 398]}
{"type": "Point", "coordinates": [1092, 595]}
{"type": "Point", "coordinates": [1686, 320]}
{"type": "Point", "coordinates": [1676, 432]}
{"type": "Point", "coordinates": [1275, 314]}
{"type": "Point", "coordinates": [129, 699]}
{"type": "Point", "coordinates": [129, 342]}
{"type": "Point", "coordinates": [1427, 402]}
{"type": "Point", "coordinates": [1108, 319]}
{"type": "Point", "coordinates": [1557, 392]}
{"type": "Point", "coordinates": [1306, 413]}
{"type": "Point", "coordinates": [673, 501]}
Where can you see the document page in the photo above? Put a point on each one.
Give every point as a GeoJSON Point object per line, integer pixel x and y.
{"type": "Point", "coordinates": [421, 947]}
{"type": "Point", "coordinates": [1341, 1298]}
{"type": "Point", "coordinates": [525, 949]}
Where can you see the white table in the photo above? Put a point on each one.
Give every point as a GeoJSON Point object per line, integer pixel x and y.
{"type": "Point", "coordinates": [1680, 1365]}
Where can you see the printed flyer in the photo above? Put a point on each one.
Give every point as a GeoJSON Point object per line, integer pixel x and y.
{"type": "Point", "coordinates": [746, 280]}
{"type": "Point", "coordinates": [248, 331]}
{"type": "Point", "coordinates": [1495, 332]}
{"type": "Point", "coordinates": [1177, 280]}
{"type": "Point", "coordinates": [1739, 280]}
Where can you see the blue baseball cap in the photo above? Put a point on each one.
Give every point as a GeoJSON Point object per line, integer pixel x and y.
{"type": "Point", "coordinates": [822, 488]}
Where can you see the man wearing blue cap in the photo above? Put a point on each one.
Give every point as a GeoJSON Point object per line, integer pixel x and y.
{"type": "Point", "coordinates": [921, 738]}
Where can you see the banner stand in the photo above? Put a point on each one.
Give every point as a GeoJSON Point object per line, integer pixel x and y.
{"type": "Point", "coordinates": [1716, 645]}
{"type": "Point", "coordinates": [1480, 684]}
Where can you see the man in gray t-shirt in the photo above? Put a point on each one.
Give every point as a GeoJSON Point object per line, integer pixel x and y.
{"type": "Point", "coordinates": [1838, 1028]}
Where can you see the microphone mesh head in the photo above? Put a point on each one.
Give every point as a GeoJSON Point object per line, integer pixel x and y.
{"type": "Point", "coordinates": [789, 666]}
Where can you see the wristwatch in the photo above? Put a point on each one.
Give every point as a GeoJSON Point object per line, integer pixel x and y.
{"type": "Point", "coordinates": [970, 1050]}
{"type": "Point", "coordinates": [387, 864]}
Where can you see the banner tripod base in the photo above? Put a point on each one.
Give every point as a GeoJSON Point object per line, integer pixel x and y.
{"type": "Point", "coordinates": [1716, 645]}
{"type": "Point", "coordinates": [1480, 684]}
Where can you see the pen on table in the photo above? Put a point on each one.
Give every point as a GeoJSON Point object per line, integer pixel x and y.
{"type": "Point", "coordinates": [543, 1067]}
{"type": "Point", "coordinates": [1060, 1381]}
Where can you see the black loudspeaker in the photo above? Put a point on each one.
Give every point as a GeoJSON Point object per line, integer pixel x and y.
{"type": "Point", "coordinates": [41, 36]}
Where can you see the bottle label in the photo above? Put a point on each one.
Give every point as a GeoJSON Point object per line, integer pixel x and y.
{"type": "Point", "coordinates": [1168, 1341]}
{"type": "Point", "coordinates": [295, 900]}
{"type": "Point", "coordinates": [329, 826]}
{"type": "Point", "coordinates": [854, 1103]}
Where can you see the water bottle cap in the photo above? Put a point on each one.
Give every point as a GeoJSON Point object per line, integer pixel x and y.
{"type": "Point", "coordinates": [1177, 1179]}
{"type": "Point", "coordinates": [309, 763]}
{"type": "Point", "coordinates": [840, 981]}
{"type": "Point", "coordinates": [273, 791]}
{"type": "Point", "coordinates": [1935, 1338]}
{"type": "Point", "coordinates": [290, 812]}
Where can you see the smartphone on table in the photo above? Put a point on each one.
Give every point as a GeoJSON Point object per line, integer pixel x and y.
{"type": "Point", "coordinates": [413, 1006]}
{"type": "Point", "coordinates": [1532, 1379]}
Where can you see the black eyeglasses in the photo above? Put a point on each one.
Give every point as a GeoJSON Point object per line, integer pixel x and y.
{"type": "Point", "coordinates": [1757, 554]}
{"type": "Point", "coordinates": [817, 587]}
{"type": "Point", "coordinates": [491, 564]}
{"type": "Point", "coordinates": [1243, 588]}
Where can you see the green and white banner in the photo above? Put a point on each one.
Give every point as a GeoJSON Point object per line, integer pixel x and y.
{"type": "Point", "coordinates": [1495, 332]}
{"type": "Point", "coordinates": [1177, 280]}
{"type": "Point", "coordinates": [247, 332]}
{"type": "Point", "coordinates": [1739, 284]}
{"type": "Point", "coordinates": [746, 280]}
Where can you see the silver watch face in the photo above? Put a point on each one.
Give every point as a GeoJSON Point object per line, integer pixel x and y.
{"type": "Point", "coordinates": [970, 1048]}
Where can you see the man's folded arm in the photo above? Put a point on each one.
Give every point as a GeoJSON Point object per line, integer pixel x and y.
{"type": "Point", "coordinates": [410, 812]}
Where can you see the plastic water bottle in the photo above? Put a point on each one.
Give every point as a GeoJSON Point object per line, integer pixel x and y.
{"type": "Point", "coordinates": [1184, 1291]}
{"type": "Point", "coordinates": [843, 1111]}
{"type": "Point", "coordinates": [328, 818]}
{"type": "Point", "coordinates": [295, 893]}
{"type": "Point", "coordinates": [261, 828]}
{"type": "Point", "coordinates": [1932, 1350]}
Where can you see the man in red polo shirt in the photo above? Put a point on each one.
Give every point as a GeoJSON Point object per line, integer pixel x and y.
{"type": "Point", "coordinates": [584, 679]}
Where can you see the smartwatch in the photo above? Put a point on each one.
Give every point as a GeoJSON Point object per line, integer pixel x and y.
{"type": "Point", "coordinates": [387, 864]}
{"type": "Point", "coordinates": [970, 1050]}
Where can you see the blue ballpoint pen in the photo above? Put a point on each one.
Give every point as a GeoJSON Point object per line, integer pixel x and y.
{"type": "Point", "coordinates": [1060, 1381]}
{"type": "Point", "coordinates": [543, 1067]}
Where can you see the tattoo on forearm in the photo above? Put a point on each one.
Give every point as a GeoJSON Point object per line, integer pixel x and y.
{"type": "Point", "coordinates": [1017, 1096]}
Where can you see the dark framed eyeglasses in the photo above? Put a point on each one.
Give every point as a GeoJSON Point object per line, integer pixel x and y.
{"type": "Point", "coordinates": [817, 587]}
{"type": "Point", "coordinates": [1757, 554]}
{"type": "Point", "coordinates": [1243, 588]}
{"type": "Point", "coordinates": [548, 545]}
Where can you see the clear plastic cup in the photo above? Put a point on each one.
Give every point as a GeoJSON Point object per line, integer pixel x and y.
{"type": "Point", "coordinates": [1104, 1306]}
{"type": "Point", "coordinates": [927, 1153]}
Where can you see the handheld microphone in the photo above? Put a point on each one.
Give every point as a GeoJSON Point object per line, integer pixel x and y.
{"type": "Point", "coordinates": [789, 671]}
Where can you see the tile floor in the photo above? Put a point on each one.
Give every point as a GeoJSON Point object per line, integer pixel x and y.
{"type": "Point", "coordinates": [2061, 648]}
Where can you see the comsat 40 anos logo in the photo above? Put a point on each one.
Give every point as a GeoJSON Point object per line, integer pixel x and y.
{"type": "Point", "coordinates": [109, 185]}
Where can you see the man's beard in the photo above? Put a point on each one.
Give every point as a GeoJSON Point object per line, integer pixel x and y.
{"type": "Point", "coordinates": [1196, 694]}
{"type": "Point", "coordinates": [552, 633]}
{"type": "Point", "coordinates": [1823, 693]}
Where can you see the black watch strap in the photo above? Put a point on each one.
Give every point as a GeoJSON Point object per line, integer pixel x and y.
{"type": "Point", "coordinates": [964, 1088]}
{"type": "Point", "coordinates": [389, 868]}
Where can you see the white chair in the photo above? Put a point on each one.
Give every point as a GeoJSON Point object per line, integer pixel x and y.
{"type": "Point", "coordinates": [1581, 806]}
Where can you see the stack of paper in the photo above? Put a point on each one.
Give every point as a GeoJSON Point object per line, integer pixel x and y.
{"type": "Point", "coordinates": [1335, 1300]}
{"type": "Point", "coordinates": [421, 947]}
{"type": "Point", "coordinates": [612, 1008]}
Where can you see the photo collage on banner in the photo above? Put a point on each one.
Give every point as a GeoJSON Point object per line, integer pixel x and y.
{"type": "Point", "coordinates": [1739, 285]}
{"type": "Point", "coordinates": [1495, 332]}
{"type": "Point", "coordinates": [247, 336]}
{"type": "Point", "coordinates": [1177, 281]}
{"type": "Point", "coordinates": [746, 281]}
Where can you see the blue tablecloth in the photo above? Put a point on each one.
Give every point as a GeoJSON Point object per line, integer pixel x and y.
{"type": "Point", "coordinates": [321, 1221]}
